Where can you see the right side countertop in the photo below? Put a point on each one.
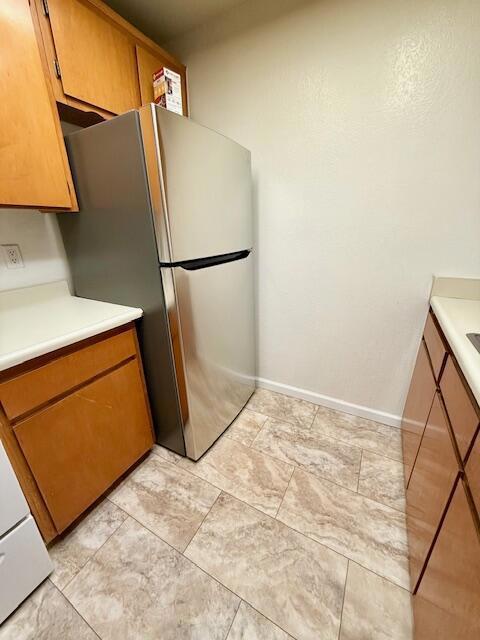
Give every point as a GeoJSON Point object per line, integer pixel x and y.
{"type": "Point", "coordinates": [456, 304]}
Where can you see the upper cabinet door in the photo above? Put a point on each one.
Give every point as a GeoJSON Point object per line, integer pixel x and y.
{"type": "Point", "coordinates": [96, 57]}
{"type": "Point", "coordinates": [147, 64]}
{"type": "Point", "coordinates": [33, 165]}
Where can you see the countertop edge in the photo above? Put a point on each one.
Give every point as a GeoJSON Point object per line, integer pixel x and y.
{"type": "Point", "coordinates": [457, 343]}
{"type": "Point", "coordinates": [29, 353]}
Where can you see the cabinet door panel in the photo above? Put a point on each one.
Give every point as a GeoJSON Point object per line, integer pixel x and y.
{"type": "Point", "coordinates": [436, 348]}
{"type": "Point", "coordinates": [97, 59]}
{"type": "Point", "coordinates": [430, 486]}
{"type": "Point", "coordinates": [472, 471]}
{"type": "Point", "coordinates": [79, 446]}
{"type": "Point", "coordinates": [460, 409]}
{"type": "Point", "coordinates": [417, 408]}
{"type": "Point", "coordinates": [147, 64]}
{"type": "Point", "coordinates": [447, 604]}
{"type": "Point", "coordinates": [32, 153]}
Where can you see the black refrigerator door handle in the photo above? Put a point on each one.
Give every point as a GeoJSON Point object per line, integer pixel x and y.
{"type": "Point", "coordinates": [204, 263]}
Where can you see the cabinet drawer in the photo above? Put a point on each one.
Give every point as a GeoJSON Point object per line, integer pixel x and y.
{"type": "Point", "coordinates": [472, 471]}
{"type": "Point", "coordinates": [77, 447]}
{"type": "Point", "coordinates": [34, 388]}
{"type": "Point", "coordinates": [435, 346]}
{"type": "Point", "coordinates": [460, 409]}
{"type": "Point", "coordinates": [447, 604]}
{"type": "Point", "coordinates": [417, 408]}
{"type": "Point", "coordinates": [430, 486]}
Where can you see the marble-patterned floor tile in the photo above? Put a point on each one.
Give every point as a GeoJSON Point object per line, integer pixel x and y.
{"type": "Point", "coordinates": [166, 454]}
{"type": "Point", "coordinates": [137, 588]}
{"type": "Point", "coordinates": [374, 608]}
{"type": "Point", "coordinates": [311, 449]}
{"type": "Point", "coordinates": [382, 479]}
{"type": "Point", "coordinates": [365, 531]}
{"type": "Point", "coordinates": [46, 615]}
{"type": "Point", "coordinates": [70, 553]}
{"type": "Point", "coordinates": [245, 473]}
{"type": "Point", "coordinates": [251, 625]}
{"type": "Point", "coordinates": [277, 405]}
{"type": "Point", "coordinates": [166, 499]}
{"type": "Point", "coordinates": [360, 432]}
{"type": "Point", "coordinates": [246, 427]}
{"type": "Point", "coordinates": [293, 581]}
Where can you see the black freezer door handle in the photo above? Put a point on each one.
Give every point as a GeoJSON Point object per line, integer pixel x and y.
{"type": "Point", "coordinates": [204, 263]}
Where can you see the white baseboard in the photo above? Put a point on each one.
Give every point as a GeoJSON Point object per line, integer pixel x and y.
{"type": "Point", "coordinates": [332, 403]}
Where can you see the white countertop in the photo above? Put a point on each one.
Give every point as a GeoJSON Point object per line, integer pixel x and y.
{"type": "Point", "coordinates": [458, 316]}
{"type": "Point", "coordinates": [37, 320]}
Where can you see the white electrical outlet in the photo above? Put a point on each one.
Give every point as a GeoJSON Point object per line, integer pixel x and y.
{"type": "Point", "coordinates": [13, 256]}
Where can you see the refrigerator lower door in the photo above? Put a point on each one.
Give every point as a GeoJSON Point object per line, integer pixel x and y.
{"type": "Point", "coordinates": [24, 564]}
{"type": "Point", "coordinates": [211, 317]}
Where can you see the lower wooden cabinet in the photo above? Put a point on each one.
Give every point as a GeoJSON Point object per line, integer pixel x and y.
{"type": "Point", "coordinates": [75, 421]}
{"type": "Point", "coordinates": [430, 487]}
{"type": "Point", "coordinates": [442, 469]}
{"type": "Point", "coordinates": [417, 408]}
{"type": "Point", "coordinates": [80, 445]}
{"type": "Point", "coordinates": [447, 603]}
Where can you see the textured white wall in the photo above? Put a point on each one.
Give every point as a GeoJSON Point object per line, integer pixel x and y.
{"type": "Point", "coordinates": [363, 118]}
{"type": "Point", "coordinates": [41, 245]}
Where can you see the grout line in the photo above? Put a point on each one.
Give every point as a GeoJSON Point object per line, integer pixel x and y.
{"type": "Point", "coordinates": [96, 550]}
{"type": "Point", "coordinates": [359, 471]}
{"type": "Point", "coordinates": [285, 492]}
{"type": "Point", "coordinates": [343, 601]}
{"type": "Point", "coordinates": [74, 608]}
{"type": "Point", "coordinates": [203, 520]}
{"type": "Point", "coordinates": [233, 620]}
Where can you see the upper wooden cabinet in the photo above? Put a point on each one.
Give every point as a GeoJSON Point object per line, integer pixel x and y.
{"type": "Point", "coordinates": [98, 61]}
{"type": "Point", "coordinates": [96, 58]}
{"type": "Point", "coordinates": [33, 163]}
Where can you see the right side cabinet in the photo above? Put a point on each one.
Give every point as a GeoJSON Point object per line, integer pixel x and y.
{"type": "Point", "coordinates": [441, 444]}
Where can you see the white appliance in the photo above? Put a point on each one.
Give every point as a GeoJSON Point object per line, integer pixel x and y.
{"type": "Point", "coordinates": [24, 560]}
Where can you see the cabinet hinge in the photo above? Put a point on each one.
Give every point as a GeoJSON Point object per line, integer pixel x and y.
{"type": "Point", "coordinates": [56, 66]}
{"type": "Point", "coordinates": [45, 8]}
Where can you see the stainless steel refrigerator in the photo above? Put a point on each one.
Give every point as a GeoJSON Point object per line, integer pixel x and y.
{"type": "Point", "coordinates": [165, 224]}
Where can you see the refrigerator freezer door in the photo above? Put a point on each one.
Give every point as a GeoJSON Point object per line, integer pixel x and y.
{"type": "Point", "coordinates": [212, 329]}
{"type": "Point", "coordinates": [13, 506]}
{"type": "Point", "coordinates": [206, 188]}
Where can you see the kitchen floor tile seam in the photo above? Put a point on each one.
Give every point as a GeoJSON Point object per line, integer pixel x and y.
{"type": "Point", "coordinates": [284, 493]}
{"type": "Point", "coordinates": [366, 448]}
{"type": "Point", "coordinates": [159, 455]}
{"type": "Point", "coordinates": [74, 607]}
{"type": "Point", "coordinates": [302, 468]}
{"type": "Point", "coordinates": [343, 601]}
{"type": "Point", "coordinates": [233, 619]}
{"type": "Point", "coordinates": [96, 550]}
{"type": "Point", "coordinates": [322, 544]}
{"type": "Point", "coordinates": [171, 547]}
{"type": "Point", "coordinates": [288, 634]}
{"type": "Point", "coordinates": [359, 471]}
{"type": "Point", "coordinates": [364, 495]}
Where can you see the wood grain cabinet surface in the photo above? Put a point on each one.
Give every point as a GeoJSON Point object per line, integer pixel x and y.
{"type": "Point", "coordinates": [417, 408]}
{"type": "Point", "coordinates": [472, 471]}
{"type": "Point", "coordinates": [79, 446]}
{"type": "Point", "coordinates": [33, 162]}
{"type": "Point", "coordinates": [435, 346]}
{"type": "Point", "coordinates": [96, 58]}
{"type": "Point", "coordinates": [73, 422]}
{"type": "Point", "coordinates": [461, 410]}
{"type": "Point", "coordinates": [447, 604]}
{"type": "Point", "coordinates": [430, 487]}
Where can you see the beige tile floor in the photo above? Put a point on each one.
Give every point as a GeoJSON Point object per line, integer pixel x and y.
{"type": "Point", "coordinates": [291, 526]}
